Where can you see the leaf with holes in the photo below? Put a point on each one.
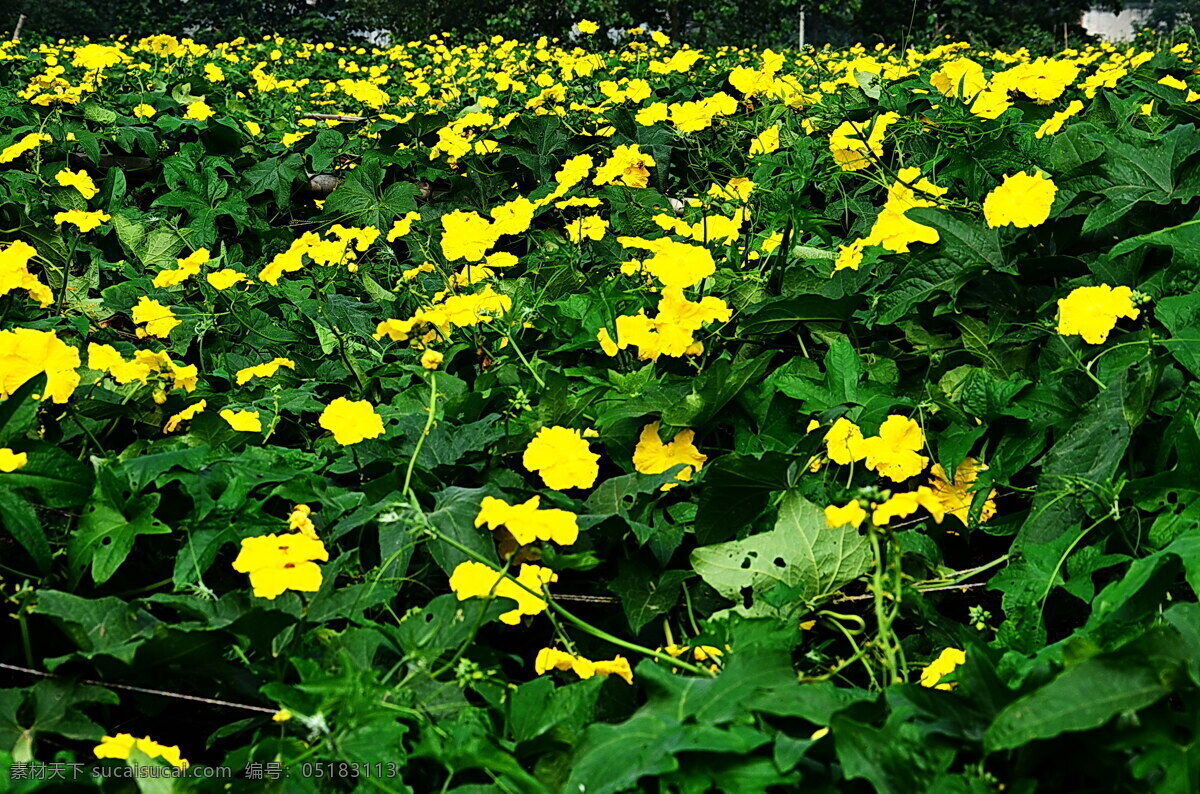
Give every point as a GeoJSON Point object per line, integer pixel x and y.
{"type": "Point", "coordinates": [801, 554]}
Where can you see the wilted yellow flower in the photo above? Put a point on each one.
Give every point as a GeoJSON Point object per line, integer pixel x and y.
{"type": "Point", "coordinates": [956, 496]}
{"type": "Point", "coordinates": [431, 359]}
{"type": "Point", "coordinates": [185, 415]}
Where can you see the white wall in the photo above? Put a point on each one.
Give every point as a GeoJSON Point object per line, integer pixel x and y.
{"type": "Point", "coordinates": [1116, 27]}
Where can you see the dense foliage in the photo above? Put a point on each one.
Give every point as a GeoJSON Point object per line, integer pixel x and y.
{"type": "Point", "coordinates": [985, 23]}
{"type": "Point", "coordinates": [530, 418]}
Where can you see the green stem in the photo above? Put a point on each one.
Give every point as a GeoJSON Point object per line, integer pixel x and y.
{"type": "Point", "coordinates": [424, 433]}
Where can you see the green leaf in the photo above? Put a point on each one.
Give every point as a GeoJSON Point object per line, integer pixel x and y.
{"type": "Point", "coordinates": [277, 175]}
{"type": "Point", "coordinates": [801, 554]}
{"type": "Point", "coordinates": [19, 411]}
{"type": "Point", "coordinates": [109, 526]}
{"type": "Point", "coordinates": [21, 521]}
{"type": "Point", "coordinates": [98, 626]}
{"type": "Point", "coordinates": [363, 201]}
{"type": "Point", "coordinates": [1084, 697]}
{"type": "Point", "coordinates": [967, 242]}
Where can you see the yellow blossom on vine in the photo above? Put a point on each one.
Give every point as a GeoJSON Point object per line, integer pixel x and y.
{"type": "Point", "coordinates": [472, 579]}
{"type": "Point", "coordinates": [652, 456]}
{"type": "Point", "coordinates": [120, 746]}
{"type": "Point", "coordinates": [277, 563]}
{"type": "Point", "coordinates": [1092, 312]}
{"type": "Point", "coordinates": [528, 521]}
{"type": "Point", "coordinates": [351, 421]}
{"type": "Point", "coordinates": [562, 457]}
{"type": "Point", "coordinates": [945, 664]}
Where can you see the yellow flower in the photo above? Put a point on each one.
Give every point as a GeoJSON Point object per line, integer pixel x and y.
{"type": "Point", "coordinates": [851, 513]}
{"type": "Point", "coordinates": [843, 442]}
{"type": "Point", "coordinates": [563, 459]}
{"type": "Point", "coordinates": [590, 227]}
{"type": "Point", "coordinates": [553, 659]}
{"type": "Point", "coordinates": [283, 715]}
{"type": "Point", "coordinates": [1055, 123]}
{"type": "Point", "coordinates": [902, 505]}
{"type": "Point", "coordinates": [942, 666]}
{"type": "Point", "coordinates": [266, 370]}
{"type": "Point", "coordinates": [402, 226]}
{"type": "Point", "coordinates": [277, 563]}
{"type": "Point", "coordinates": [628, 166]}
{"type": "Point", "coordinates": [11, 461]}
{"type": "Point", "coordinates": [431, 359]}
{"type": "Point", "coordinates": [85, 221]}
{"type": "Point", "coordinates": [851, 150]}
{"type": "Point", "coordinates": [527, 522]}
{"type": "Point", "coordinates": [351, 421]}
{"type": "Point", "coordinates": [224, 279]}
{"type": "Point", "coordinates": [475, 580]}
{"type": "Point", "coordinates": [466, 235]}
{"type": "Point", "coordinates": [652, 456]}
{"type": "Point", "coordinates": [78, 180]}
{"type": "Point", "coordinates": [961, 77]}
{"type": "Point", "coordinates": [119, 747]}
{"type": "Point", "coordinates": [673, 263]}
{"type": "Point", "coordinates": [144, 111]}
{"type": "Point", "coordinates": [765, 142]}
{"type": "Point", "coordinates": [894, 452]}
{"type": "Point", "coordinates": [183, 270]}
{"type": "Point", "coordinates": [1092, 312]}
{"type": "Point", "coordinates": [158, 319]}
{"type": "Point", "coordinates": [242, 421]}
{"type": "Point", "coordinates": [26, 144]}
{"type": "Point", "coordinates": [14, 273]}
{"type": "Point", "coordinates": [300, 520]}
{"type": "Point", "coordinates": [25, 352]}
{"type": "Point", "coordinates": [956, 497]}
{"type": "Point", "coordinates": [652, 114]}
{"type": "Point", "coordinates": [185, 415]}
{"type": "Point", "coordinates": [586, 26]}
{"type": "Point", "coordinates": [606, 342]}
{"type": "Point", "coordinates": [1023, 200]}
{"type": "Point", "coordinates": [97, 56]}
{"type": "Point", "coordinates": [198, 111]}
